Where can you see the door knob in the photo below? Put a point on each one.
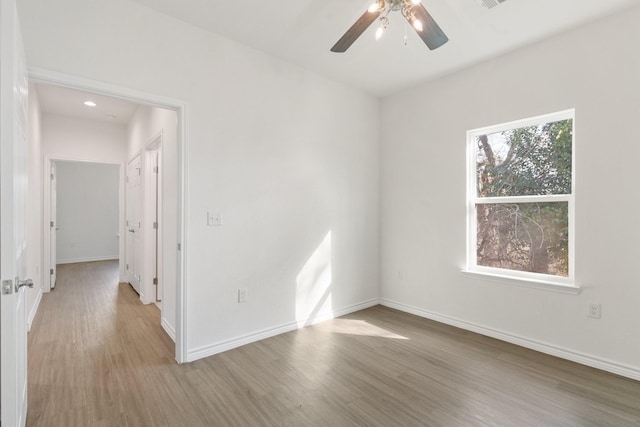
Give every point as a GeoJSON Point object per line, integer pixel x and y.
{"type": "Point", "coordinates": [20, 283]}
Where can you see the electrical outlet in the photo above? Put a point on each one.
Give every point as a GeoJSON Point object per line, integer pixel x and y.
{"type": "Point", "coordinates": [242, 295]}
{"type": "Point", "coordinates": [594, 310]}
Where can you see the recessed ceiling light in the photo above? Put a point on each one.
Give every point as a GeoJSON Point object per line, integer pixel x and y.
{"type": "Point", "coordinates": [90, 103]}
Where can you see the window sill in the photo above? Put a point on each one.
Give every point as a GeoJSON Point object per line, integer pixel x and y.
{"type": "Point", "coordinates": [527, 283]}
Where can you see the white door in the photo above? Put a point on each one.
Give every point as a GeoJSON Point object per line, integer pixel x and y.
{"type": "Point", "coordinates": [53, 226]}
{"type": "Point", "coordinates": [133, 240]}
{"type": "Point", "coordinates": [13, 183]}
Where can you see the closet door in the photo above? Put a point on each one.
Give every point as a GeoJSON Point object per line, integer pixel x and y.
{"type": "Point", "coordinates": [133, 243]}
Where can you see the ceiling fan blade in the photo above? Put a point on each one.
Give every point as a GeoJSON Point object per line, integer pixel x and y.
{"type": "Point", "coordinates": [431, 34]}
{"type": "Point", "coordinates": [355, 31]}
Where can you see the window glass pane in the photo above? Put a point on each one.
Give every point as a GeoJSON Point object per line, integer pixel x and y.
{"type": "Point", "coordinates": [531, 237]}
{"type": "Point", "coordinates": [527, 161]}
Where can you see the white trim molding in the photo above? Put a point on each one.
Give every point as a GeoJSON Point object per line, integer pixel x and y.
{"type": "Point", "coordinates": [88, 259]}
{"type": "Point", "coordinates": [220, 347]}
{"type": "Point", "coordinates": [563, 353]}
{"type": "Point", "coordinates": [168, 329]}
{"type": "Point", "coordinates": [526, 283]}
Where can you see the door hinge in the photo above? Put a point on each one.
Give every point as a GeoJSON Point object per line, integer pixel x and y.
{"type": "Point", "coordinates": [127, 267]}
{"type": "Point", "coordinates": [155, 280]}
{"type": "Point", "coordinates": [155, 169]}
{"type": "Point", "coordinates": [7, 287]}
{"type": "Point", "coordinates": [52, 177]}
{"type": "Point", "coordinates": [179, 247]}
{"type": "Point", "coordinates": [51, 271]}
{"type": "Point", "coordinates": [155, 225]}
{"type": "Point", "coordinates": [51, 224]}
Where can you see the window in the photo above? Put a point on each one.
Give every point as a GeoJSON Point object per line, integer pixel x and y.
{"type": "Point", "coordinates": [520, 199]}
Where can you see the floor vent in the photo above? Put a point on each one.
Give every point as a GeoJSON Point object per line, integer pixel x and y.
{"type": "Point", "coordinates": [489, 4]}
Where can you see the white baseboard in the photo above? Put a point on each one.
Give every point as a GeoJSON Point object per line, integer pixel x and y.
{"type": "Point", "coordinates": [168, 329]}
{"type": "Point", "coordinates": [34, 310]}
{"type": "Point", "coordinates": [88, 259]}
{"type": "Point", "coordinates": [220, 347]}
{"type": "Point", "coordinates": [563, 353]}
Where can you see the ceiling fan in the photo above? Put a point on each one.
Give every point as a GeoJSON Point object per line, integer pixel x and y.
{"type": "Point", "coordinates": [412, 10]}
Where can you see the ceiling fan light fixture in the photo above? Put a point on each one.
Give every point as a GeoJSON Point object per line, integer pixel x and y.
{"type": "Point", "coordinates": [417, 24]}
{"type": "Point", "coordinates": [378, 6]}
{"type": "Point", "coordinates": [384, 23]}
{"type": "Point", "coordinates": [379, 32]}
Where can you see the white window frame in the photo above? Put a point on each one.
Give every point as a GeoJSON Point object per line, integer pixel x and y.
{"type": "Point", "coordinates": [523, 278]}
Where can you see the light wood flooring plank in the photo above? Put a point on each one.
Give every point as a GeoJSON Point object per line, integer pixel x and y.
{"type": "Point", "coordinates": [98, 357]}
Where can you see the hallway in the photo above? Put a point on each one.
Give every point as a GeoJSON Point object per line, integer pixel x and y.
{"type": "Point", "coordinates": [95, 352]}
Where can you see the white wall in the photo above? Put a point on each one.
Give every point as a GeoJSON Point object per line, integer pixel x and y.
{"type": "Point", "coordinates": [290, 159]}
{"type": "Point", "coordinates": [146, 124]}
{"type": "Point", "coordinates": [34, 207]}
{"type": "Point", "coordinates": [423, 212]}
{"type": "Point", "coordinates": [68, 138]}
{"type": "Point", "coordinates": [88, 211]}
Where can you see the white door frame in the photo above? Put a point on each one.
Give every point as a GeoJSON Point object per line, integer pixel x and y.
{"type": "Point", "coordinates": [50, 264]}
{"type": "Point", "coordinates": [39, 75]}
{"type": "Point", "coordinates": [150, 200]}
{"type": "Point", "coordinates": [47, 216]}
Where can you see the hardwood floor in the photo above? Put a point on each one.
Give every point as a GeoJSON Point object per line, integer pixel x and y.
{"type": "Point", "coordinates": [98, 357]}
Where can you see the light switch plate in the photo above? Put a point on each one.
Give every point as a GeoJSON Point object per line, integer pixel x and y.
{"type": "Point", "coordinates": [214, 219]}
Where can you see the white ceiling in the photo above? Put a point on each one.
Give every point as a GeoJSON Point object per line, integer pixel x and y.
{"type": "Point", "coordinates": [70, 102]}
{"type": "Point", "coordinates": [303, 31]}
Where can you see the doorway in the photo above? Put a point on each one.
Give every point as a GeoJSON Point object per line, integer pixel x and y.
{"type": "Point", "coordinates": [85, 212]}
{"type": "Point", "coordinates": [170, 207]}
{"type": "Point", "coordinates": [146, 227]}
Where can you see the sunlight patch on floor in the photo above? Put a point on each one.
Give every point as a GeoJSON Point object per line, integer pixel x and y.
{"type": "Point", "coordinates": [360, 327]}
